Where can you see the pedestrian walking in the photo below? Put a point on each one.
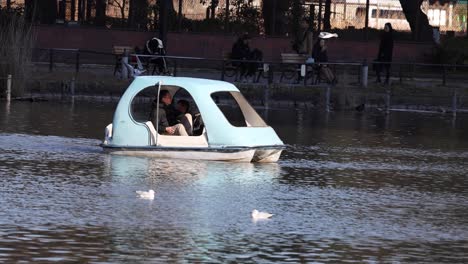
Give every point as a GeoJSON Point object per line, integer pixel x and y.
{"type": "Point", "coordinates": [384, 57]}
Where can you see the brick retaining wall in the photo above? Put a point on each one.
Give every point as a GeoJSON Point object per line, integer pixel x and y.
{"type": "Point", "coordinates": [212, 45]}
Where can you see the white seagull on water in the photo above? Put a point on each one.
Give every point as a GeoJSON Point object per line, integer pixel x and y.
{"type": "Point", "coordinates": [149, 195]}
{"type": "Point", "coordinates": [256, 215]}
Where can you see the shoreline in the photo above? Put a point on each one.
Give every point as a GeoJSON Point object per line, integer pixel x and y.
{"type": "Point", "coordinates": [257, 104]}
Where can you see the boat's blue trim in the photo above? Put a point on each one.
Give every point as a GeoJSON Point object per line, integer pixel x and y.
{"type": "Point", "coordinates": [201, 149]}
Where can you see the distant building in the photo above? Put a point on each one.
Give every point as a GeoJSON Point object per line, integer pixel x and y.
{"type": "Point", "coordinates": [352, 13]}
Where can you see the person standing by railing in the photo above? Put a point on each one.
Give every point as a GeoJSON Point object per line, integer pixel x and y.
{"type": "Point", "coordinates": [304, 42]}
{"type": "Point", "coordinates": [384, 57]}
{"type": "Point", "coordinates": [320, 56]}
{"type": "Point", "coordinates": [241, 51]}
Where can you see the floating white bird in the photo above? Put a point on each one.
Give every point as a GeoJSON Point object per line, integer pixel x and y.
{"type": "Point", "coordinates": [256, 215]}
{"type": "Point", "coordinates": [327, 35]}
{"type": "Point", "coordinates": [149, 195]}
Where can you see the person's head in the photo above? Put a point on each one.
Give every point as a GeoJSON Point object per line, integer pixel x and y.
{"type": "Point", "coordinates": [245, 38]}
{"type": "Point", "coordinates": [165, 97]}
{"type": "Point", "coordinates": [182, 106]}
{"type": "Point", "coordinates": [388, 27]}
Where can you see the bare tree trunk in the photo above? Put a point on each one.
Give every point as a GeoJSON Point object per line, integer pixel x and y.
{"type": "Point", "coordinates": [163, 17]}
{"type": "Point", "coordinates": [8, 4]}
{"type": "Point", "coordinates": [89, 8]}
{"type": "Point", "coordinates": [226, 17]}
{"type": "Point", "coordinates": [214, 4]}
{"type": "Point", "coordinates": [312, 19]}
{"type": "Point", "coordinates": [62, 9]}
{"type": "Point", "coordinates": [32, 10]}
{"type": "Point", "coordinates": [122, 10]}
{"type": "Point", "coordinates": [29, 10]}
{"type": "Point", "coordinates": [274, 15]}
{"type": "Point", "coordinates": [319, 24]}
{"type": "Point", "coordinates": [100, 19]}
{"type": "Point", "coordinates": [72, 10]}
{"type": "Point", "coordinates": [297, 15]}
{"type": "Point", "coordinates": [327, 16]}
{"type": "Point", "coordinates": [80, 10]}
{"type": "Point", "coordinates": [366, 26]}
{"type": "Point", "coordinates": [131, 15]}
{"type": "Point", "coordinates": [417, 19]}
{"type": "Point", "coordinates": [47, 11]}
{"type": "Point", "coordinates": [138, 13]}
{"type": "Point", "coordinates": [269, 14]}
{"type": "Point", "coordinates": [179, 21]}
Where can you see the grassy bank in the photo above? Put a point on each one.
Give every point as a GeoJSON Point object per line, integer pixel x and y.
{"type": "Point", "coordinates": [415, 93]}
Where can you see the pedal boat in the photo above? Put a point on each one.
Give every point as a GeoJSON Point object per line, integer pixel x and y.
{"type": "Point", "coordinates": [253, 141]}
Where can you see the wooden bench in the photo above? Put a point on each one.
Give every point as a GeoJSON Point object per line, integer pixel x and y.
{"type": "Point", "coordinates": [293, 58]}
{"type": "Point", "coordinates": [118, 52]}
{"type": "Point", "coordinates": [291, 67]}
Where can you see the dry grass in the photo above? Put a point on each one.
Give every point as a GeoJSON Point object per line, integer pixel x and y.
{"type": "Point", "coordinates": [16, 41]}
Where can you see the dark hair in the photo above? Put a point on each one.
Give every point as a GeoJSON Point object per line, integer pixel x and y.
{"type": "Point", "coordinates": [184, 103]}
{"type": "Point", "coordinates": [163, 93]}
{"type": "Point", "coordinates": [387, 35]}
{"type": "Point", "coordinates": [245, 36]}
{"type": "Point", "coordinates": [389, 26]}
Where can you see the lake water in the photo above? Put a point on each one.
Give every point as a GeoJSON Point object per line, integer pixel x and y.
{"type": "Point", "coordinates": [351, 187]}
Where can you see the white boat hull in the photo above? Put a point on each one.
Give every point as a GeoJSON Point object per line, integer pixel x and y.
{"type": "Point", "coordinates": [267, 155]}
{"type": "Point", "coordinates": [231, 155]}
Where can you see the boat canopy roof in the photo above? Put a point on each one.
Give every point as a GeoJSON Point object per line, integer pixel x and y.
{"type": "Point", "coordinates": [198, 88]}
{"type": "Point", "coordinates": [220, 132]}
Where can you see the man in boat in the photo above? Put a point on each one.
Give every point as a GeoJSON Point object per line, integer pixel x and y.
{"type": "Point", "coordinates": [190, 117]}
{"type": "Point", "coordinates": [185, 117]}
{"type": "Point", "coordinates": [166, 121]}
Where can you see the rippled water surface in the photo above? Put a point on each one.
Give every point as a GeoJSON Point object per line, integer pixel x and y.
{"type": "Point", "coordinates": [349, 188]}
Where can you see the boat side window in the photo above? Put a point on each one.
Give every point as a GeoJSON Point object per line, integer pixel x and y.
{"type": "Point", "coordinates": [141, 104]}
{"type": "Point", "coordinates": [188, 113]}
{"type": "Point", "coordinates": [180, 111]}
{"type": "Point", "coordinates": [144, 104]}
{"type": "Point", "coordinates": [237, 110]}
{"type": "Point", "coordinates": [165, 124]}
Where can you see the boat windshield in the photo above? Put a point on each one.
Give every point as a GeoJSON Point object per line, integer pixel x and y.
{"type": "Point", "coordinates": [237, 110]}
{"type": "Point", "coordinates": [142, 103]}
{"type": "Point", "coordinates": [181, 110]}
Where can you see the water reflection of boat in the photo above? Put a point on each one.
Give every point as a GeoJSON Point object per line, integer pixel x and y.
{"type": "Point", "coordinates": [184, 172]}
{"type": "Point", "coordinates": [234, 134]}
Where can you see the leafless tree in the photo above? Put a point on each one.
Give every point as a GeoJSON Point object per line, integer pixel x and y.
{"type": "Point", "coordinates": [121, 5]}
{"type": "Point", "coordinates": [417, 20]}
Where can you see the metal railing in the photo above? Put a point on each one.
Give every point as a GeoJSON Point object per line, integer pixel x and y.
{"type": "Point", "coordinates": [269, 74]}
{"type": "Point", "coordinates": [266, 69]}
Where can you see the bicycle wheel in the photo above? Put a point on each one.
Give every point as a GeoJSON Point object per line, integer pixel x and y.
{"type": "Point", "coordinates": [230, 70]}
{"type": "Point", "coordinates": [289, 72]}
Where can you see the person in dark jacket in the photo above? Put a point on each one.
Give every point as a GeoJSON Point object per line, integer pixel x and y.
{"type": "Point", "coordinates": [385, 53]}
{"type": "Point", "coordinates": [255, 55]}
{"type": "Point", "coordinates": [241, 51]}
{"type": "Point", "coordinates": [185, 117]}
{"type": "Point", "coordinates": [155, 46]}
{"type": "Point", "coordinates": [166, 121]}
{"type": "Point", "coordinates": [320, 56]}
